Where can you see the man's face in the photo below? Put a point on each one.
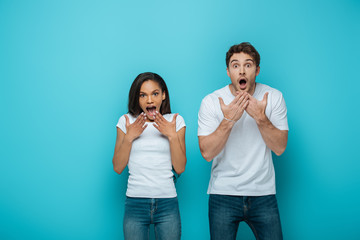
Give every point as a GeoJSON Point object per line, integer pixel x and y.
{"type": "Point", "coordinates": [242, 71]}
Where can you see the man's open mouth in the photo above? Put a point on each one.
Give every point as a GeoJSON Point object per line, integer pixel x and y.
{"type": "Point", "coordinates": [151, 110]}
{"type": "Point", "coordinates": [242, 83]}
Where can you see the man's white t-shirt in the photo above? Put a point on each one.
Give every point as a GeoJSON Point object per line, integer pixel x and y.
{"type": "Point", "coordinates": [244, 167]}
{"type": "Point", "coordinates": [150, 168]}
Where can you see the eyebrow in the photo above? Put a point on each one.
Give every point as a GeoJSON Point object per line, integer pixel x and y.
{"type": "Point", "coordinates": [151, 92]}
{"type": "Point", "coordinates": [235, 60]}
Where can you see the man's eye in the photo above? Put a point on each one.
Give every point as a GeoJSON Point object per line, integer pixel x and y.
{"type": "Point", "coordinates": [248, 65]}
{"type": "Point", "coordinates": [235, 66]}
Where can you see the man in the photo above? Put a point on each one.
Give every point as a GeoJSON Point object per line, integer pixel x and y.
{"type": "Point", "coordinates": [239, 126]}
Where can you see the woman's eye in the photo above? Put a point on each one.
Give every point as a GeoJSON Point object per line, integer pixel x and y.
{"type": "Point", "coordinates": [142, 95]}
{"type": "Point", "coordinates": [155, 94]}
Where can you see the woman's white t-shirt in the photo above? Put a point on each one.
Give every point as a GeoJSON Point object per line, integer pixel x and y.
{"type": "Point", "coordinates": [150, 168]}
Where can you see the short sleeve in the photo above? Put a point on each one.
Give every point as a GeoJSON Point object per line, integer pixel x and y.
{"type": "Point", "coordinates": [207, 120]}
{"type": "Point", "coordinates": [278, 115]}
{"type": "Point", "coordinates": [180, 123]}
{"type": "Point", "coordinates": [122, 124]}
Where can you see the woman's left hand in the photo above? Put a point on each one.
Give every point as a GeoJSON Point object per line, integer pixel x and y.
{"type": "Point", "coordinates": [165, 127]}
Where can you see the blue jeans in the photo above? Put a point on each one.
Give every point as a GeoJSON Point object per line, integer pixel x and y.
{"type": "Point", "coordinates": [162, 212]}
{"type": "Point", "coordinates": [260, 213]}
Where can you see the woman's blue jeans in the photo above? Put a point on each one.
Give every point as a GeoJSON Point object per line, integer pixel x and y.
{"type": "Point", "coordinates": [162, 212]}
{"type": "Point", "coordinates": [260, 213]}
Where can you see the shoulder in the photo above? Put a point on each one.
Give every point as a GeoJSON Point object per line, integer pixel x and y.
{"type": "Point", "coordinates": [263, 88]}
{"type": "Point", "coordinates": [169, 117]}
{"type": "Point", "coordinates": [131, 118]}
{"type": "Point", "coordinates": [122, 120]}
{"type": "Point", "coordinates": [180, 122]}
{"type": "Point", "coordinates": [214, 96]}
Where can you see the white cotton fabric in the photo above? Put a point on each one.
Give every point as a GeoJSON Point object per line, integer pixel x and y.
{"type": "Point", "coordinates": [244, 167]}
{"type": "Point", "coordinates": [150, 168]}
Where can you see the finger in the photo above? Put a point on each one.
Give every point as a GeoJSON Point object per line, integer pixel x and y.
{"type": "Point", "coordinates": [265, 98]}
{"type": "Point", "coordinates": [127, 122]}
{"type": "Point", "coordinates": [238, 98]}
{"type": "Point", "coordinates": [160, 116]}
{"type": "Point", "coordinates": [174, 118]}
{"type": "Point", "coordinates": [222, 104]}
{"type": "Point", "coordinates": [156, 126]}
{"type": "Point", "coordinates": [244, 106]}
{"type": "Point", "coordinates": [140, 119]}
{"type": "Point", "coordinates": [144, 126]}
{"type": "Point", "coordinates": [157, 120]}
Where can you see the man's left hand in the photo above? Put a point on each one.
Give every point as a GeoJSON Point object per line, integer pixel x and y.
{"type": "Point", "coordinates": [256, 109]}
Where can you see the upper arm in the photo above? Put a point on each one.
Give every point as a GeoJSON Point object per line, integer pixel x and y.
{"type": "Point", "coordinates": [181, 136]}
{"type": "Point", "coordinates": [119, 138]}
{"type": "Point", "coordinates": [207, 117]}
{"type": "Point", "coordinates": [278, 116]}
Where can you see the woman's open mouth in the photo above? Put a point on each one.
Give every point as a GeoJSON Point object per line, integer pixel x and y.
{"type": "Point", "coordinates": [151, 110]}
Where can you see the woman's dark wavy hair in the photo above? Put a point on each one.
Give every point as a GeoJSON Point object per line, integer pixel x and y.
{"type": "Point", "coordinates": [134, 93]}
{"type": "Point", "coordinates": [244, 47]}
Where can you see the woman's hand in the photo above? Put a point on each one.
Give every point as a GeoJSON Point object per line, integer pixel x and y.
{"type": "Point", "coordinates": [165, 127]}
{"type": "Point", "coordinates": [135, 129]}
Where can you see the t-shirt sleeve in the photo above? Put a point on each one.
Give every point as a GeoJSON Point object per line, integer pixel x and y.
{"type": "Point", "coordinates": [180, 123]}
{"type": "Point", "coordinates": [122, 124]}
{"type": "Point", "coordinates": [278, 115]}
{"type": "Point", "coordinates": [207, 121]}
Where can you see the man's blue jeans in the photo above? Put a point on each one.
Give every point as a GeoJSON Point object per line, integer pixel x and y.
{"type": "Point", "coordinates": [162, 212]}
{"type": "Point", "coordinates": [260, 213]}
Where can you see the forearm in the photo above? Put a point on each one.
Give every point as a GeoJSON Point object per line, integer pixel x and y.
{"type": "Point", "coordinates": [178, 154]}
{"type": "Point", "coordinates": [121, 155]}
{"type": "Point", "coordinates": [213, 144]}
{"type": "Point", "coordinates": [274, 138]}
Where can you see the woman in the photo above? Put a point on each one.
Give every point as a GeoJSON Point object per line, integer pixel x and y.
{"type": "Point", "coordinates": [151, 141]}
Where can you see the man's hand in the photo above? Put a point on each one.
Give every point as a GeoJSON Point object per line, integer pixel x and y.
{"type": "Point", "coordinates": [135, 129]}
{"type": "Point", "coordinates": [236, 108]}
{"type": "Point", "coordinates": [256, 109]}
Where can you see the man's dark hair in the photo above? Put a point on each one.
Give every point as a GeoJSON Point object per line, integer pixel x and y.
{"type": "Point", "coordinates": [244, 47]}
{"type": "Point", "coordinates": [134, 93]}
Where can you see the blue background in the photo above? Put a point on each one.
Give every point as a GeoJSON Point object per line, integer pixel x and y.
{"type": "Point", "coordinates": [66, 69]}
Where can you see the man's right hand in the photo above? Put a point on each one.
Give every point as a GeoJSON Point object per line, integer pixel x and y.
{"type": "Point", "coordinates": [234, 110]}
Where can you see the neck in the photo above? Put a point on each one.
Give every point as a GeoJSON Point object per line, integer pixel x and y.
{"type": "Point", "coordinates": [233, 90]}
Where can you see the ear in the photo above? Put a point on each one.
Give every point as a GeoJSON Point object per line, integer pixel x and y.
{"type": "Point", "coordinates": [227, 71]}
{"type": "Point", "coordinates": [257, 70]}
{"type": "Point", "coordinates": [163, 96]}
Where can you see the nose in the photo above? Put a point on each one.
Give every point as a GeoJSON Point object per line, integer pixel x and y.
{"type": "Point", "coordinates": [149, 99]}
{"type": "Point", "coordinates": [242, 70]}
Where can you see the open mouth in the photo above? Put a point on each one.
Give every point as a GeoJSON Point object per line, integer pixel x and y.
{"type": "Point", "coordinates": [242, 83]}
{"type": "Point", "coordinates": [151, 110]}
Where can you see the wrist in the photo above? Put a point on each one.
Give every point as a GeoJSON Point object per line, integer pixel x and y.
{"type": "Point", "coordinates": [128, 139]}
{"type": "Point", "coordinates": [172, 137]}
{"type": "Point", "coordinates": [230, 120]}
{"type": "Point", "coordinates": [228, 123]}
{"type": "Point", "coordinates": [262, 119]}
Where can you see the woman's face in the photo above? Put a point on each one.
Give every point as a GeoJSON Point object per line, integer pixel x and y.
{"type": "Point", "coordinates": [150, 98]}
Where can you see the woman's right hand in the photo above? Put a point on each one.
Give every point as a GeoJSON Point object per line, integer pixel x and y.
{"type": "Point", "coordinates": [135, 129]}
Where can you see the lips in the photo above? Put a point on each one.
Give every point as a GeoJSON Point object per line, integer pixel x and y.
{"type": "Point", "coordinates": [151, 110]}
{"type": "Point", "coordinates": [242, 83]}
